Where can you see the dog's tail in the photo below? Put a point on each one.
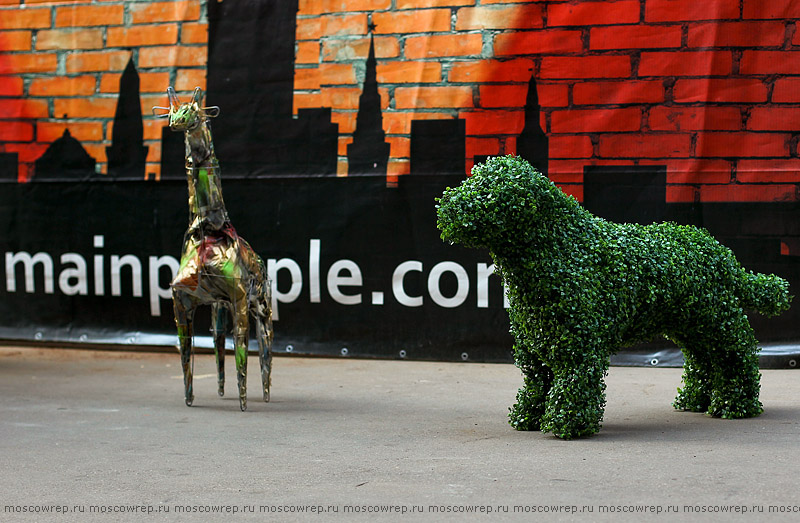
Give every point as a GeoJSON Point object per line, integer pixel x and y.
{"type": "Point", "coordinates": [764, 293]}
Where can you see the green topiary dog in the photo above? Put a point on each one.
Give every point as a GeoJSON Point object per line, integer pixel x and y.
{"type": "Point", "coordinates": [581, 288]}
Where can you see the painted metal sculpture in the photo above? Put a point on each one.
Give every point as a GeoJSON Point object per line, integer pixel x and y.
{"type": "Point", "coordinates": [218, 267]}
{"type": "Point", "coordinates": [581, 287]}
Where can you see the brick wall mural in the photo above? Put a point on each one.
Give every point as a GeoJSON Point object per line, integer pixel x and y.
{"type": "Point", "coordinates": [644, 110]}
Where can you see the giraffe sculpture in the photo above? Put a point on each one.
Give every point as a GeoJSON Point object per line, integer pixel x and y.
{"type": "Point", "coordinates": [217, 267]}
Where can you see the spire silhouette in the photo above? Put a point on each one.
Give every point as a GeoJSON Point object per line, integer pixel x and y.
{"type": "Point", "coordinates": [369, 151]}
{"type": "Point", "coordinates": [532, 143]}
{"type": "Point", "coordinates": [127, 154]}
{"type": "Point", "coordinates": [65, 159]}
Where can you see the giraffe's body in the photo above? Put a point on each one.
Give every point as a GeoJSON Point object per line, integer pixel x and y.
{"type": "Point", "coordinates": [218, 267]}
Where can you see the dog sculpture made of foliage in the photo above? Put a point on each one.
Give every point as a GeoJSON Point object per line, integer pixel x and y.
{"type": "Point", "coordinates": [580, 288]}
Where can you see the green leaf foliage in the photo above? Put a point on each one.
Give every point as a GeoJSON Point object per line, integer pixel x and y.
{"type": "Point", "coordinates": [580, 288]}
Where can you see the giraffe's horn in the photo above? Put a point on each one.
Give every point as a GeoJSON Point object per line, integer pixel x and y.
{"type": "Point", "coordinates": [173, 98]}
{"type": "Point", "coordinates": [198, 95]}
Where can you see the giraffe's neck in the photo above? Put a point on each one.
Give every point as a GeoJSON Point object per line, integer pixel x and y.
{"type": "Point", "coordinates": [206, 206]}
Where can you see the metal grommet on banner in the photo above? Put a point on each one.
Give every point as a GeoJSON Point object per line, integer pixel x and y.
{"type": "Point", "coordinates": [464, 356]}
{"type": "Point", "coordinates": [38, 336]}
{"type": "Point", "coordinates": [344, 351]}
{"type": "Point", "coordinates": [793, 363]}
{"type": "Point", "coordinates": [654, 362]}
{"type": "Point", "coordinates": [289, 348]}
{"type": "Point", "coordinates": [403, 354]}
{"type": "Point", "coordinates": [83, 337]}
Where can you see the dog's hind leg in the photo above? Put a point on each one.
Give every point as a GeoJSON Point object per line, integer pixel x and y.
{"type": "Point", "coordinates": [695, 394]}
{"type": "Point", "coordinates": [736, 381]}
{"type": "Point", "coordinates": [576, 402]}
{"type": "Point", "coordinates": [527, 412]}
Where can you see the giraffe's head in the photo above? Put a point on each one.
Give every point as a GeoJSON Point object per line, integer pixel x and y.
{"type": "Point", "coordinates": [185, 116]}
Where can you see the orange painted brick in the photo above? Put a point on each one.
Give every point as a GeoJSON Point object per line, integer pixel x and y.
{"type": "Point", "coordinates": [538, 42]}
{"type": "Point", "coordinates": [343, 25]}
{"type": "Point", "coordinates": [553, 95]}
{"type": "Point", "coordinates": [344, 49]}
{"type": "Point", "coordinates": [481, 146]}
{"type": "Point", "coordinates": [421, 4]}
{"type": "Point", "coordinates": [593, 13]}
{"type": "Point", "coordinates": [690, 10]}
{"type": "Point", "coordinates": [433, 97]}
{"type": "Point", "coordinates": [612, 66]}
{"type": "Point", "coordinates": [412, 21]}
{"type": "Point", "coordinates": [786, 90]}
{"type": "Point", "coordinates": [342, 97]}
{"type": "Point", "coordinates": [194, 33]}
{"type": "Point", "coordinates": [337, 74]}
{"type": "Point", "coordinates": [596, 120]}
{"type": "Point", "coordinates": [736, 34]}
{"type": "Point", "coordinates": [720, 90]}
{"type": "Point", "coordinates": [768, 171]}
{"type": "Point", "coordinates": [38, 18]}
{"type": "Point", "coordinates": [492, 96]}
{"type": "Point", "coordinates": [616, 92]}
{"type": "Point", "coordinates": [686, 63]}
{"type": "Point", "coordinates": [310, 7]}
{"type": "Point", "coordinates": [695, 171]}
{"type": "Point", "coordinates": [772, 9]}
{"type": "Point", "coordinates": [769, 62]}
{"type": "Point", "coordinates": [307, 78]}
{"type": "Point", "coordinates": [682, 194]}
{"type": "Point", "coordinates": [310, 100]}
{"type": "Point", "coordinates": [342, 143]}
{"type": "Point", "coordinates": [81, 131]}
{"type": "Point", "coordinates": [515, 70]}
{"type": "Point", "coordinates": [395, 122]}
{"type": "Point", "coordinates": [748, 193]}
{"type": "Point", "coordinates": [187, 80]}
{"type": "Point", "coordinates": [142, 35]}
{"type": "Point", "coordinates": [742, 145]}
{"type": "Point", "coordinates": [660, 145]}
{"type": "Point", "coordinates": [95, 107]}
{"type": "Point", "coordinates": [148, 82]}
{"type": "Point", "coordinates": [171, 56]}
{"type": "Point", "coordinates": [97, 61]}
{"type": "Point", "coordinates": [12, 108]}
{"type": "Point", "coordinates": [435, 46]}
{"type": "Point", "coordinates": [482, 122]}
{"type": "Point", "coordinates": [409, 72]}
{"type": "Point", "coordinates": [21, 63]}
{"type": "Point", "coordinates": [16, 131]}
{"type": "Point", "coordinates": [635, 37]}
{"type": "Point", "coordinates": [309, 29]}
{"type": "Point", "coordinates": [570, 146]}
{"type": "Point", "coordinates": [67, 39]}
{"type": "Point", "coordinates": [153, 127]}
{"type": "Point", "coordinates": [344, 6]}
{"type": "Point", "coordinates": [307, 53]}
{"type": "Point", "coordinates": [773, 118]}
{"type": "Point", "coordinates": [710, 118]}
{"type": "Point", "coordinates": [345, 120]}
{"type": "Point", "coordinates": [400, 146]}
{"type": "Point", "coordinates": [519, 16]}
{"type": "Point", "coordinates": [151, 12]}
{"type": "Point", "coordinates": [89, 15]}
{"type": "Point", "coordinates": [11, 86]}
{"type": "Point", "coordinates": [15, 41]}
{"type": "Point", "coordinates": [63, 86]}
{"type": "Point", "coordinates": [396, 168]}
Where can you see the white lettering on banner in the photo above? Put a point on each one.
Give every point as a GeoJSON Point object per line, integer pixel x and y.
{"type": "Point", "coordinates": [344, 280]}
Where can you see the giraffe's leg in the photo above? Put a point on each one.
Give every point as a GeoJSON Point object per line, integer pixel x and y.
{"type": "Point", "coordinates": [220, 314]}
{"type": "Point", "coordinates": [241, 333]}
{"type": "Point", "coordinates": [264, 333]}
{"type": "Point", "coordinates": [184, 311]}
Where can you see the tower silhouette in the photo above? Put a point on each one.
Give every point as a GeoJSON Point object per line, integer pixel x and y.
{"type": "Point", "coordinates": [532, 143]}
{"type": "Point", "coordinates": [369, 152]}
{"type": "Point", "coordinates": [127, 154]}
{"type": "Point", "coordinates": [65, 159]}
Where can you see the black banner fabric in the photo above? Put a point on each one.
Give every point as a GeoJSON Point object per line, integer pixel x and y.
{"type": "Point", "coordinates": [358, 268]}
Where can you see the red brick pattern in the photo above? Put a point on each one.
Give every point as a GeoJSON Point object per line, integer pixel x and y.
{"type": "Point", "coordinates": [711, 89]}
{"type": "Point", "coordinates": [60, 65]}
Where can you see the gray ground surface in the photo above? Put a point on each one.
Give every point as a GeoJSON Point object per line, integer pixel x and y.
{"type": "Point", "coordinates": [104, 432]}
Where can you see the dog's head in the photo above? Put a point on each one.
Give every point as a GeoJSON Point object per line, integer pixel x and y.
{"type": "Point", "coordinates": [495, 206]}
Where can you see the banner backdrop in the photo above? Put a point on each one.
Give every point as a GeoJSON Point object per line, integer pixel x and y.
{"type": "Point", "coordinates": [342, 121]}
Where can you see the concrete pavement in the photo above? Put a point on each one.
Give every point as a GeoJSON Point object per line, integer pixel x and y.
{"type": "Point", "coordinates": [92, 435]}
